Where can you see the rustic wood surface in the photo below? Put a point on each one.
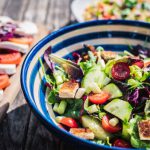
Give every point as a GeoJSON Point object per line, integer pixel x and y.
{"type": "Point", "coordinates": [20, 129]}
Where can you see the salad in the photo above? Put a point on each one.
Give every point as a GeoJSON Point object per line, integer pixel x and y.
{"type": "Point", "coordinates": [109, 102]}
{"type": "Point", "coordinates": [118, 9]}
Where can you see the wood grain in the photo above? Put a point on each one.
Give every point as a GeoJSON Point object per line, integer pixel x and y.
{"type": "Point", "coordinates": [12, 6]}
{"type": "Point", "coordinates": [2, 5]}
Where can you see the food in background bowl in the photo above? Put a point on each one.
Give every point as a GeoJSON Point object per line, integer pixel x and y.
{"type": "Point", "coordinates": [112, 35]}
{"type": "Point", "coordinates": [118, 9]}
{"type": "Point", "coordinates": [87, 94]}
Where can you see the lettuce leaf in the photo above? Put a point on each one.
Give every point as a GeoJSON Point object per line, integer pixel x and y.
{"type": "Point", "coordinates": [73, 108]}
{"type": "Point", "coordinates": [134, 134]}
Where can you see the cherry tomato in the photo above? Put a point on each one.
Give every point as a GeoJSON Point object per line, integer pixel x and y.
{"type": "Point", "coordinates": [22, 40]}
{"type": "Point", "coordinates": [4, 81]}
{"type": "Point", "coordinates": [69, 122]}
{"type": "Point", "coordinates": [139, 63]}
{"type": "Point", "coordinates": [120, 71]}
{"type": "Point", "coordinates": [12, 57]}
{"type": "Point", "coordinates": [99, 98]}
{"type": "Point", "coordinates": [108, 127]}
{"type": "Point", "coordinates": [121, 143]}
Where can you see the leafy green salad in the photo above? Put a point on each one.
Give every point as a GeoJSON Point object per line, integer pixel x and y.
{"type": "Point", "coordinates": [102, 96]}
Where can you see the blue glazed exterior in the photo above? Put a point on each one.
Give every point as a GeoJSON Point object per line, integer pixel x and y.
{"type": "Point", "coordinates": [46, 120]}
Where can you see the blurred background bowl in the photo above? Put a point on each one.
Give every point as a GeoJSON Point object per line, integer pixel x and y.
{"type": "Point", "coordinates": [114, 35]}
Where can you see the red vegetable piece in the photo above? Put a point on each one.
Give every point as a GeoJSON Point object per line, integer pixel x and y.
{"type": "Point", "coordinates": [109, 128]}
{"type": "Point", "coordinates": [121, 143]}
{"type": "Point", "coordinates": [69, 122]}
{"type": "Point", "coordinates": [99, 98]}
{"type": "Point", "coordinates": [139, 63]}
{"type": "Point", "coordinates": [12, 57]}
{"type": "Point", "coordinates": [120, 71]}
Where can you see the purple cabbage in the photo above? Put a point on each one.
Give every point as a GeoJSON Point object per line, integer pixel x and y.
{"type": "Point", "coordinates": [138, 96]}
{"type": "Point", "coordinates": [140, 50]}
{"type": "Point", "coordinates": [49, 63]}
{"type": "Point", "coordinates": [7, 31]}
{"type": "Point", "coordinates": [77, 57]}
{"type": "Point", "coordinates": [47, 59]}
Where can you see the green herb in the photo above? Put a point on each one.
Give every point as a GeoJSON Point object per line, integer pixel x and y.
{"type": "Point", "coordinates": [85, 66]}
{"type": "Point", "coordinates": [52, 96]}
{"type": "Point", "coordinates": [136, 72]}
{"type": "Point", "coordinates": [73, 108]}
{"type": "Point", "coordinates": [134, 83]}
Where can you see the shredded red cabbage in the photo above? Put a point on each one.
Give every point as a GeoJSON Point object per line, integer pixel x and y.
{"type": "Point", "coordinates": [77, 57]}
{"type": "Point", "coordinates": [47, 59]}
{"type": "Point", "coordinates": [140, 50]}
{"type": "Point", "coordinates": [7, 31]}
{"type": "Point", "coordinates": [138, 96]}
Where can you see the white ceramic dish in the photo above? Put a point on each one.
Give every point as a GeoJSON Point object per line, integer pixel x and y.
{"type": "Point", "coordinates": [78, 7]}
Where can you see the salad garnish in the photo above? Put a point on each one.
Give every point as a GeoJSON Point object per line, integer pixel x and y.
{"type": "Point", "coordinates": [110, 102]}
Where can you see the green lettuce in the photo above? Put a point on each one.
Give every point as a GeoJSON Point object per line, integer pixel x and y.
{"type": "Point", "coordinates": [134, 134]}
{"type": "Point", "coordinates": [73, 108]}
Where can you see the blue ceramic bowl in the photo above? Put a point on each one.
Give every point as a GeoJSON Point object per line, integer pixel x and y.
{"type": "Point", "coordinates": [114, 35]}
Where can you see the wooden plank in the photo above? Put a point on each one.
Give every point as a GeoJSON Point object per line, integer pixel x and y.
{"type": "Point", "coordinates": [58, 13]}
{"type": "Point", "coordinates": [14, 127]}
{"type": "Point", "coordinates": [38, 136]}
{"type": "Point", "coordinates": [31, 10]}
{"type": "Point", "coordinates": [23, 10]}
{"type": "Point", "coordinates": [12, 8]}
{"type": "Point", "coordinates": [3, 3]}
{"type": "Point", "coordinates": [41, 11]}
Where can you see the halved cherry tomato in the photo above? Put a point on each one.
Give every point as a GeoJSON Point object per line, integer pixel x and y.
{"type": "Point", "coordinates": [139, 63]}
{"type": "Point", "coordinates": [22, 40]}
{"type": "Point", "coordinates": [120, 71]}
{"type": "Point", "coordinates": [121, 143]}
{"type": "Point", "coordinates": [108, 127]}
{"type": "Point", "coordinates": [99, 98]}
{"type": "Point", "coordinates": [11, 57]}
{"type": "Point", "coordinates": [4, 81]}
{"type": "Point", "coordinates": [69, 122]}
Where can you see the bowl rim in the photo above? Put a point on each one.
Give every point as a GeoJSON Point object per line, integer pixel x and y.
{"type": "Point", "coordinates": [53, 128]}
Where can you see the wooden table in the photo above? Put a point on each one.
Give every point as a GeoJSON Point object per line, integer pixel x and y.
{"type": "Point", "coordinates": [20, 130]}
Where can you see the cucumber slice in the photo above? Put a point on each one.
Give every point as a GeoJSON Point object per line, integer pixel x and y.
{"type": "Point", "coordinates": [95, 126]}
{"type": "Point", "coordinates": [119, 108]}
{"type": "Point", "coordinates": [113, 90]}
{"type": "Point", "coordinates": [93, 80]}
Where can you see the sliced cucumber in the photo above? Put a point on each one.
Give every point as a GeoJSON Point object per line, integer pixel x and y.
{"type": "Point", "coordinates": [113, 90]}
{"type": "Point", "coordinates": [92, 109]}
{"type": "Point", "coordinates": [95, 126]}
{"type": "Point", "coordinates": [93, 80]}
{"type": "Point", "coordinates": [119, 108]}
